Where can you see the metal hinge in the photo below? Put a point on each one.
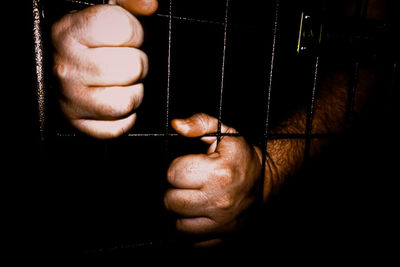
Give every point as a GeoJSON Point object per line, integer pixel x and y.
{"type": "Point", "coordinates": [310, 34]}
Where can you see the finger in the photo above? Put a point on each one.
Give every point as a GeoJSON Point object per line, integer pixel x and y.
{"type": "Point", "coordinates": [104, 103]}
{"type": "Point", "coordinates": [198, 225]}
{"type": "Point", "coordinates": [202, 124]}
{"type": "Point", "coordinates": [105, 129]}
{"type": "Point", "coordinates": [106, 66]}
{"type": "Point", "coordinates": [190, 172]}
{"type": "Point", "coordinates": [198, 125]}
{"type": "Point", "coordinates": [186, 202]}
{"type": "Point", "coordinates": [138, 7]}
{"type": "Point", "coordinates": [102, 25]}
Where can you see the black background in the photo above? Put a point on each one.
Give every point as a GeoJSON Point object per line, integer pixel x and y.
{"type": "Point", "coordinates": [343, 204]}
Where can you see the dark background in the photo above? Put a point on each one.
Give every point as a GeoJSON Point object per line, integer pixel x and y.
{"type": "Point", "coordinates": [74, 195]}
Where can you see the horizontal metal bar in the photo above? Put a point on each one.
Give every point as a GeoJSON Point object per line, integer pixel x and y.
{"type": "Point", "coordinates": [80, 2]}
{"type": "Point", "coordinates": [270, 136]}
{"type": "Point", "coordinates": [191, 19]}
{"type": "Point", "coordinates": [167, 16]}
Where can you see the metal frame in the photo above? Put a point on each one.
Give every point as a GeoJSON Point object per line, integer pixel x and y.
{"type": "Point", "coordinates": [171, 18]}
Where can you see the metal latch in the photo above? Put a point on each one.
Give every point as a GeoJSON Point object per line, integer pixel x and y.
{"type": "Point", "coordinates": [310, 34]}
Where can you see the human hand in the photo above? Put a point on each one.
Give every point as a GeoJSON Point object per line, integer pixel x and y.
{"type": "Point", "coordinates": [211, 191]}
{"type": "Point", "coordinates": [100, 67]}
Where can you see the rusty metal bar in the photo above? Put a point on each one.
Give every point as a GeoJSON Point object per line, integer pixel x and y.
{"type": "Point", "coordinates": [221, 95]}
{"type": "Point", "coordinates": [39, 67]}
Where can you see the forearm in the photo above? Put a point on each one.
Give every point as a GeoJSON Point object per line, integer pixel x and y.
{"type": "Point", "coordinates": [285, 157]}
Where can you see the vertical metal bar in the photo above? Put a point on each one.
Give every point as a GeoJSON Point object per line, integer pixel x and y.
{"type": "Point", "coordinates": [352, 93]}
{"type": "Point", "coordinates": [362, 8]}
{"type": "Point", "coordinates": [268, 92]}
{"type": "Point", "coordinates": [167, 102]}
{"type": "Point", "coordinates": [272, 67]}
{"type": "Point", "coordinates": [311, 108]}
{"type": "Point", "coordinates": [170, 230]}
{"type": "Point", "coordinates": [221, 95]}
{"type": "Point", "coordinates": [39, 68]}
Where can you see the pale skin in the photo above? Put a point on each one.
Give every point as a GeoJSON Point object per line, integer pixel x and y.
{"type": "Point", "coordinates": [100, 66]}
{"type": "Point", "coordinates": [209, 192]}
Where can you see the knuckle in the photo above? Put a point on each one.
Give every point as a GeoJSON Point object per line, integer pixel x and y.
{"type": "Point", "coordinates": [166, 200]}
{"type": "Point", "coordinates": [107, 13]}
{"type": "Point", "coordinates": [128, 67]}
{"type": "Point", "coordinates": [120, 102]}
{"type": "Point", "coordinates": [170, 176]}
{"type": "Point", "coordinates": [118, 25]}
{"type": "Point", "coordinates": [224, 202]}
{"type": "Point", "coordinates": [144, 63]}
{"type": "Point", "coordinates": [134, 66]}
{"type": "Point", "coordinates": [134, 100]}
{"type": "Point", "coordinates": [121, 108]}
{"type": "Point", "coordinates": [62, 32]}
{"type": "Point", "coordinates": [60, 69]}
{"type": "Point", "coordinates": [58, 28]}
{"type": "Point", "coordinates": [224, 176]}
{"type": "Point", "coordinates": [172, 171]}
{"type": "Point", "coordinates": [202, 118]}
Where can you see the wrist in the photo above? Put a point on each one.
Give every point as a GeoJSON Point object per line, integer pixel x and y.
{"type": "Point", "coordinates": [282, 159]}
{"type": "Point", "coordinates": [270, 176]}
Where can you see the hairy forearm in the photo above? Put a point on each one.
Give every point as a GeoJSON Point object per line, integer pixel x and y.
{"type": "Point", "coordinates": [333, 103]}
{"type": "Point", "coordinates": [286, 156]}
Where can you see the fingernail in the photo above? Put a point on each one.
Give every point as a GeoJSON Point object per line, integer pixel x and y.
{"type": "Point", "coordinates": [181, 124]}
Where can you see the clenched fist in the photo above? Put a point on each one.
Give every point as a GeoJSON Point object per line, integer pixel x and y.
{"type": "Point", "coordinates": [211, 191]}
{"type": "Point", "coordinates": [100, 66]}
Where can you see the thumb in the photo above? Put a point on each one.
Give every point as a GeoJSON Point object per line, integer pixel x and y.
{"type": "Point", "coordinates": [137, 7]}
{"type": "Point", "coordinates": [199, 125]}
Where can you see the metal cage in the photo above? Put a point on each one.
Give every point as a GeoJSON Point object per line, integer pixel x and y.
{"type": "Point", "coordinates": [183, 27]}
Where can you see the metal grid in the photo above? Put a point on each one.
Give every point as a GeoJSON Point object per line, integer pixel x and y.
{"type": "Point", "coordinates": [223, 24]}
{"type": "Point", "coordinates": [170, 16]}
